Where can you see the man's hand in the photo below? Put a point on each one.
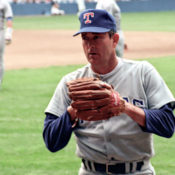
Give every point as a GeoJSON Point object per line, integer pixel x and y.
{"type": "Point", "coordinates": [8, 36]}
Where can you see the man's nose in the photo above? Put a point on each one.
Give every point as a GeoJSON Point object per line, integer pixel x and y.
{"type": "Point", "coordinates": [91, 47]}
{"type": "Point", "coordinates": [91, 44]}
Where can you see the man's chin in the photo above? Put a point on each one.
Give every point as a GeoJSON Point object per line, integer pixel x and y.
{"type": "Point", "coordinates": [92, 60]}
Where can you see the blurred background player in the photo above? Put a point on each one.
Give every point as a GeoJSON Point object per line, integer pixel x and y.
{"type": "Point", "coordinates": [55, 9]}
{"type": "Point", "coordinates": [5, 31]}
{"type": "Point", "coordinates": [81, 6]}
{"type": "Point", "coordinates": [112, 7]}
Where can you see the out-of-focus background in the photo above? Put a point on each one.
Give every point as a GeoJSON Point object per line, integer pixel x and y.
{"type": "Point", "coordinates": [46, 39]}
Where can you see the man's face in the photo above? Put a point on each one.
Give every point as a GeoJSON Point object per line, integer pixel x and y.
{"type": "Point", "coordinates": [98, 47]}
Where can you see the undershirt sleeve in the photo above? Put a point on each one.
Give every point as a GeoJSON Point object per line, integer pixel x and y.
{"type": "Point", "coordinates": [57, 131]}
{"type": "Point", "coordinates": [160, 121]}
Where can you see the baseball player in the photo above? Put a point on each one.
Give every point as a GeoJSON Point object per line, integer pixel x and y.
{"type": "Point", "coordinates": [112, 7]}
{"type": "Point", "coordinates": [112, 105]}
{"type": "Point", "coordinates": [81, 6]}
{"type": "Point", "coordinates": [5, 33]}
{"type": "Point", "coordinates": [55, 9]}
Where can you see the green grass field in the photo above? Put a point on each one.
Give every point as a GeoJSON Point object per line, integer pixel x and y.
{"type": "Point", "coordinates": [25, 94]}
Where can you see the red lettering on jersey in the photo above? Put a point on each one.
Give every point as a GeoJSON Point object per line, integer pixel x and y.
{"type": "Point", "coordinates": [87, 17]}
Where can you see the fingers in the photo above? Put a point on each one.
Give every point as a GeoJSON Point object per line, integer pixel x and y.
{"type": "Point", "coordinates": [72, 112]}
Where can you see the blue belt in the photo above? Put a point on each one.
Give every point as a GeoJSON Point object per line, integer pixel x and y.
{"type": "Point", "coordinates": [118, 168]}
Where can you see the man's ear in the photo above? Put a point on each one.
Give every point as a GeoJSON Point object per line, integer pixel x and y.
{"type": "Point", "coordinates": [115, 39]}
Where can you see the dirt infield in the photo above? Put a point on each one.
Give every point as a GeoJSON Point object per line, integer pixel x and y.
{"type": "Point", "coordinates": [33, 49]}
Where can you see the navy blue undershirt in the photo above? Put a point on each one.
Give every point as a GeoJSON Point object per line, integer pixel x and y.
{"type": "Point", "coordinates": [57, 130]}
{"type": "Point", "coordinates": [160, 121]}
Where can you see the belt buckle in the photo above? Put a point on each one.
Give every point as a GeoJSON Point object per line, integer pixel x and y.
{"type": "Point", "coordinates": [107, 168]}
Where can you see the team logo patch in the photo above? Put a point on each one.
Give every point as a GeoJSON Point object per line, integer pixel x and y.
{"type": "Point", "coordinates": [87, 17]}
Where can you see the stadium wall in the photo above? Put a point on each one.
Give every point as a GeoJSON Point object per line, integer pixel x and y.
{"type": "Point", "coordinates": [71, 8]}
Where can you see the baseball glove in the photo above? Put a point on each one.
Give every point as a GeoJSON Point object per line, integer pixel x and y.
{"type": "Point", "coordinates": [93, 99]}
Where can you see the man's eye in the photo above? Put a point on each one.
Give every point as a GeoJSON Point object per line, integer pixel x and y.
{"type": "Point", "coordinates": [96, 37]}
{"type": "Point", "coordinates": [85, 38]}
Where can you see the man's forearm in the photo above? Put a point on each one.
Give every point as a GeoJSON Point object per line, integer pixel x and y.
{"type": "Point", "coordinates": [57, 131]}
{"type": "Point", "coordinates": [158, 121]}
{"type": "Point", "coordinates": [136, 113]}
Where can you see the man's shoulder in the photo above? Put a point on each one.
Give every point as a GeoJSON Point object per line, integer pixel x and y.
{"type": "Point", "coordinates": [137, 65]}
{"type": "Point", "coordinates": [135, 62]}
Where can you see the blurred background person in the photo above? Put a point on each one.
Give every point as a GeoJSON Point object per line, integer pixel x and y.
{"type": "Point", "coordinates": [6, 30]}
{"type": "Point", "coordinates": [81, 6]}
{"type": "Point", "coordinates": [55, 9]}
{"type": "Point", "coordinates": [112, 7]}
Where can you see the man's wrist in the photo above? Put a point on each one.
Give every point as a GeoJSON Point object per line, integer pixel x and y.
{"type": "Point", "coordinates": [136, 113]}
